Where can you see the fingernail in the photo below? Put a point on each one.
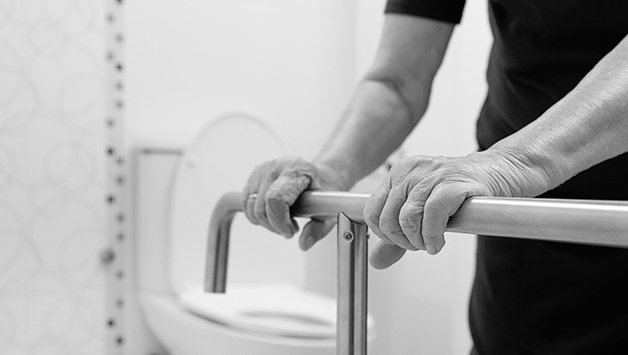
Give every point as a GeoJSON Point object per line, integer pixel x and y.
{"type": "Point", "coordinates": [287, 235]}
{"type": "Point", "coordinates": [309, 241]}
{"type": "Point", "coordinates": [431, 249]}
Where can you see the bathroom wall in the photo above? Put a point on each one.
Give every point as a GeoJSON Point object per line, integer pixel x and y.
{"type": "Point", "coordinates": [287, 61]}
{"type": "Point", "coordinates": [294, 63]}
{"type": "Point", "coordinates": [52, 225]}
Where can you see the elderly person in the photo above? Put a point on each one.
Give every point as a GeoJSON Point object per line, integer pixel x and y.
{"type": "Point", "coordinates": [554, 124]}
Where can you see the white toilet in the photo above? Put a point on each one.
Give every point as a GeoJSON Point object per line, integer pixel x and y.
{"type": "Point", "coordinates": [264, 310]}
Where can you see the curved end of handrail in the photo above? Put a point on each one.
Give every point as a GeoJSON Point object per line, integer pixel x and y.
{"type": "Point", "coordinates": [218, 242]}
{"type": "Point", "coordinates": [320, 205]}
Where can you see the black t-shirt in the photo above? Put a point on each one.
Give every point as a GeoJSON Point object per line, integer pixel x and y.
{"type": "Point", "coordinates": [533, 297]}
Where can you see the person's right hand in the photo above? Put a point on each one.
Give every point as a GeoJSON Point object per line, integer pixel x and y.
{"type": "Point", "coordinates": [275, 185]}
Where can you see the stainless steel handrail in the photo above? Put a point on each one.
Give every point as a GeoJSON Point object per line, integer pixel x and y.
{"type": "Point", "coordinates": [574, 221]}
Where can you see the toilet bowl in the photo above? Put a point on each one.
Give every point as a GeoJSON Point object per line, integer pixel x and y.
{"type": "Point", "coordinates": [264, 311]}
{"type": "Point", "coordinates": [273, 310]}
{"type": "Point", "coordinates": [192, 324]}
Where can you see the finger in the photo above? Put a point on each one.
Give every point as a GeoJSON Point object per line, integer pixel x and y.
{"type": "Point", "coordinates": [373, 209]}
{"type": "Point", "coordinates": [440, 205]}
{"type": "Point", "coordinates": [384, 255]}
{"type": "Point", "coordinates": [281, 194]}
{"type": "Point", "coordinates": [250, 192]}
{"type": "Point", "coordinates": [410, 218]}
{"type": "Point", "coordinates": [314, 231]}
{"type": "Point", "coordinates": [259, 209]}
{"type": "Point", "coordinates": [411, 215]}
{"type": "Point", "coordinates": [389, 218]}
{"type": "Point", "coordinates": [247, 202]}
{"type": "Point", "coordinates": [249, 210]}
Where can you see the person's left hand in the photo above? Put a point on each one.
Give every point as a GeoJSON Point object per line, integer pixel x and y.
{"type": "Point", "coordinates": [411, 207]}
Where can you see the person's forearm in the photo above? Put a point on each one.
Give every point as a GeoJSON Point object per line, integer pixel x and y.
{"type": "Point", "coordinates": [586, 127]}
{"type": "Point", "coordinates": [390, 100]}
{"type": "Point", "coordinates": [374, 125]}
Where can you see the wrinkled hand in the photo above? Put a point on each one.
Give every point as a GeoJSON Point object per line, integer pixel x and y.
{"type": "Point", "coordinates": [411, 207]}
{"type": "Point", "coordinates": [275, 185]}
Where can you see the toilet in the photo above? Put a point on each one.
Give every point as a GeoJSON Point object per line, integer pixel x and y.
{"type": "Point", "coordinates": [265, 309]}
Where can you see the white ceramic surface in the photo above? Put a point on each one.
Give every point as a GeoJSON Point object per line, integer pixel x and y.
{"type": "Point", "coordinates": [275, 310]}
{"type": "Point", "coordinates": [186, 334]}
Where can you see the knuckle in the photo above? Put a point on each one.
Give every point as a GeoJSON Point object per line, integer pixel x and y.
{"type": "Point", "coordinates": [275, 196]}
{"type": "Point", "coordinates": [292, 172]}
{"type": "Point", "coordinates": [410, 216]}
{"type": "Point", "coordinates": [435, 205]}
{"type": "Point", "coordinates": [408, 223]}
{"type": "Point", "coordinates": [433, 210]}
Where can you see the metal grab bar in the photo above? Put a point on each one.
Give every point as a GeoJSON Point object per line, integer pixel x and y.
{"type": "Point", "coordinates": [575, 221]}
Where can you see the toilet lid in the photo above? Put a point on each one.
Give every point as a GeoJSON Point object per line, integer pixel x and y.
{"type": "Point", "coordinates": [276, 310]}
{"type": "Point", "coordinates": [219, 160]}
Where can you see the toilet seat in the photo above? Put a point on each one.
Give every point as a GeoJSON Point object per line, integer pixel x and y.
{"type": "Point", "coordinates": [272, 310]}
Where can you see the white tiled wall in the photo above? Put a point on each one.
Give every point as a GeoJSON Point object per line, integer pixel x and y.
{"type": "Point", "coordinates": [51, 177]}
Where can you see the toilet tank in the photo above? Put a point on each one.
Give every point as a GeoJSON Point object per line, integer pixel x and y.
{"type": "Point", "coordinates": [154, 165]}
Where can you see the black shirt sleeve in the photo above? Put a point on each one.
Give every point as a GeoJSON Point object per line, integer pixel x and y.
{"type": "Point", "coordinates": [442, 10]}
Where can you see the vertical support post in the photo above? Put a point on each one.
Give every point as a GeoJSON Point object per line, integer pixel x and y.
{"type": "Point", "coordinates": [352, 287]}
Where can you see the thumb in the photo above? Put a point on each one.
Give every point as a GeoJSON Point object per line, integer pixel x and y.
{"type": "Point", "coordinates": [384, 255]}
{"type": "Point", "coordinates": [314, 231]}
